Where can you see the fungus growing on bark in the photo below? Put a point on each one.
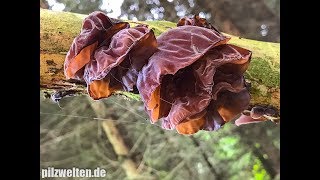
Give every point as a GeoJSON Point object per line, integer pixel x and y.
{"type": "Point", "coordinates": [96, 29]}
{"type": "Point", "coordinates": [188, 77]}
{"type": "Point", "coordinates": [108, 54]}
{"type": "Point", "coordinates": [116, 66]}
{"type": "Point", "coordinates": [196, 21]}
{"type": "Point", "coordinates": [195, 80]}
{"type": "Point", "coordinates": [258, 114]}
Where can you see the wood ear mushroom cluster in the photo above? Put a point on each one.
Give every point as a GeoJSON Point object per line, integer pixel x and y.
{"type": "Point", "coordinates": [188, 77]}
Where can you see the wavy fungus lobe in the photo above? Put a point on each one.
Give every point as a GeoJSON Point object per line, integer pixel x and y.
{"type": "Point", "coordinates": [108, 54]}
{"type": "Point", "coordinates": [195, 80]}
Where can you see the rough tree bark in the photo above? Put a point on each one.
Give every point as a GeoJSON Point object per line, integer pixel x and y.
{"type": "Point", "coordinates": [58, 29]}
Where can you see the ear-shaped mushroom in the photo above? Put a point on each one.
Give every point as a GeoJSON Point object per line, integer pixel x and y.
{"type": "Point", "coordinates": [192, 124]}
{"type": "Point", "coordinates": [115, 67]}
{"type": "Point", "coordinates": [195, 81]}
{"type": "Point", "coordinates": [196, 21]}
{"type": "Point", "coordinates": [108, 54]}
{"type": "Point", "coordinates": [257, 114]}
{"type": "Point", "coordinates": [178, 49]}
{"type": "Point", "coordinates": [228, 96]}
{"type": "Point", "coordinates": [96, 29]}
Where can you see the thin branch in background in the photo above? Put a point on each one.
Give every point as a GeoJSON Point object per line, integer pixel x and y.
{"type": "Point", "coordinates": [137, 143]}
{"type": "Point", "coordinates": [173, 171]}
{"type": "Point", "coordinates": [266, 164]}
{"type": "Point", "coordinates": [206, 159]}
{"type": "Point", "coordinates": [115, 138]}
{"type": "Point", "coordinates": [258, 152]}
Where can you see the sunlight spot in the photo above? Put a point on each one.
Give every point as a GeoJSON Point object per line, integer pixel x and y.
{"type": "Point", "coordinates": [264, 32]}
{"type": "Point", "coordinates": [200, 168]}
{"type": "Point", "coordinates": [114, 6]}
{"type": "Point", "coordinates": [265, 156]}
{"type": "Point", "coordinates": [202, 15]}
{"type": "Point", "coordinates": [56, 6]}
{"type": "Point", "coordinates": [157, 2]}
{"type": "Point", "coordinates": [124, 17]}
{"type": "Point", "coordinates": [191, 3]}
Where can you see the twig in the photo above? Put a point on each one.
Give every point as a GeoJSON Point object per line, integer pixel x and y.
{"type": "Point", "coordinates": [115, 138]}
{"type": "Point", "coordinates": [206, 159]}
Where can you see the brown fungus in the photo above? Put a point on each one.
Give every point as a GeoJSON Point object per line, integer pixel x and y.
{"type": "Point", "coordinates": [188, 77]}
{"type": "Point", "coordinates": [258, 114]}
{"type": "Point", "coordinates": [96, 29]}
{"type": "Point", "coordinates": [195, 21]}
{"type": "Point", "coordinates": [195, 80]}
{"type": "Point", "coordinates": [116, 66]}
{"type": "Point", "coordinates": [108, 54]}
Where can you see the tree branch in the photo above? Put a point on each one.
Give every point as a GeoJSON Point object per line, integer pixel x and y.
{"type": "Point", "coordinates": [267, 163]}
{"type": "Point", "coordinates": [115, 138]}
{"type": "Point", "coordinates": [218, 175]}
{"type": "Point", "coordinates": [58, 29]}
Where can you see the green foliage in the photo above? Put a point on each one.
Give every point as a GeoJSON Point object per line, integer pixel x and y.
{"type": "Point", "coordinates": [81, 6]}
{"type": "Point", "coordinates": [129, 95]}
{"type": "Point", "coordinates": [258, 172]}
{"type": "Point", "coordinates": [71, 137]}
{"type": "Point", "coordinates": [228, 147]}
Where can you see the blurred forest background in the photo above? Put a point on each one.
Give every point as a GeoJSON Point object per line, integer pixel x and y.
{"type": "Point", "coordinates": [253, 19]}
{"type": "Point", "coordinates": [74, 136]}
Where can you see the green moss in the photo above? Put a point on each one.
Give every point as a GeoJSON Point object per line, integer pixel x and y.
{"type": "Point", "coordinates": [63, 22]}
{"type": "Point", "coordinates": [58, 29]}
{"type": "Point", "coordinates": [259, 90]}
{"type": "Point", "coordinates": [129, 95]}
{"type": "Point", "coordinates": [158, 27]}
{"type": "Point", "coordinates": [266, 50]}
{"type": "Point", "coordinates": [163, 24]}
{"type": "Point", "coordinates": [261, 70]}
{"type": "Point", "coordinates": [258, 171]}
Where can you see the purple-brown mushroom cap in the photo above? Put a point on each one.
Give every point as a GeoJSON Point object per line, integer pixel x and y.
{"type": "Point", "coordinates": [195, 80]}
